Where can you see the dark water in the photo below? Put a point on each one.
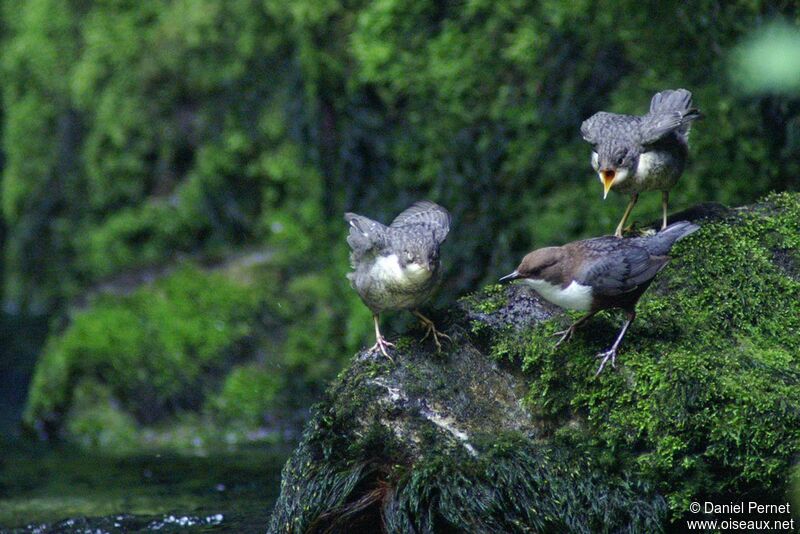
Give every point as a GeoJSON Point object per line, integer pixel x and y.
{"type": "Point", "coordinates": [45, 489]}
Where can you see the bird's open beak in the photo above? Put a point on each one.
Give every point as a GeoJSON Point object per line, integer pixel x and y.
{"type": "Point", "coordinates": [608, 180]}
{"type": "Point", "coordinates": [509, 277]}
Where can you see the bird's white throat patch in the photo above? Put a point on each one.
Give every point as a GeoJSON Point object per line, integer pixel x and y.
{"type": "Point", "coordinates": [387, 269]}
{"type": "Point", "coordinates": [646, 164]}
{"type": "Point", "coordinates": [574, 297]}
{"type": "Point", "coordinates": [620, 175]}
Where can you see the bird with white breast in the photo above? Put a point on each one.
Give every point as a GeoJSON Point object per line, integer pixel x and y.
{"type": "Point", "coordinates": [598, 274]}
{"type": "Point", "coordinates": [397, 267]}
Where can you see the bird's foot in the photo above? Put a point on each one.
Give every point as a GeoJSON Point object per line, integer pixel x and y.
{"type": "Point", "coordinates": [433, 332]}
{"type": "Point", "coordinates": [627, 230]}
{"type": "Point", "coordinates": [606, 355]}
{"type": "Point", "coordinates": [566, 335]}
{"type": "Point", "coordinates": [381, 346]}
{"type": "Point", "coordinates": [631, 228]}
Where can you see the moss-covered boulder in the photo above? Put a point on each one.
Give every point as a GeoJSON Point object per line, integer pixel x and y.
{"type": "Point", "coordinates": [504, 433]}
{"type": "Point", "coordinates": [186, 343]}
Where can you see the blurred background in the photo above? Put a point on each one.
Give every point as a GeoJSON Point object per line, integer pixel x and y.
{"type": "Point", "coordinates": [174, 176]}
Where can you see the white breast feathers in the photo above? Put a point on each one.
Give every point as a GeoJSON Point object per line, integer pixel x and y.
{"type": "Point", "coordinates": [387, 269]}
{"type": "Point", "coordinates": [574, 297]}
{"type": "Point", "coordinates": [646, 165]}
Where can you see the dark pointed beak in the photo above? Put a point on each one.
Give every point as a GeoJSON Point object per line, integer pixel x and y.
{"type": "Point", "coordinates": [509, 277]}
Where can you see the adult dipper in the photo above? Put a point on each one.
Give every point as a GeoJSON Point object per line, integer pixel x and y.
{"type": "Point", "coordinates": [397, 267]}
{"type": "Point", "coordinates": [598, 274]}
{"type": "Point", "coordinates": [642, 153]}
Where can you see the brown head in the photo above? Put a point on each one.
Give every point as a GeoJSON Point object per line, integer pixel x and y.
{"type": "Point", "coordinates": [542, 264]}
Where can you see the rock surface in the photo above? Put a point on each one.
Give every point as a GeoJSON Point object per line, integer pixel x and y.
{"type": "Point", "coordinates": [502, 433]}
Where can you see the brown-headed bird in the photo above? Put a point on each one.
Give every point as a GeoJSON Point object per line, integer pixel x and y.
{"type": "Point", "coordinates": [598, 274]}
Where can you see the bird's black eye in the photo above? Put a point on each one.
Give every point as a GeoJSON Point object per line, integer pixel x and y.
{"type": "Point", "coordinates": [620, 159]}
{"type": "Point", "coordinates": [409, 255]}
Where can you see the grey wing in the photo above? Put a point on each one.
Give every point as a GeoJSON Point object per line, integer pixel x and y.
{"type": "Point", "coordinates": [670, 111]}
{"type": "Point", "coordinates": [604, 125]}
{"type": "Point", "coordinates": [365, 235]}
{"type": "Point", "coordinates": [427, 214]}
{"type": "Point", "coordinates": [656, 127]}
{"type": "Point", "coordinates": [620, 271]}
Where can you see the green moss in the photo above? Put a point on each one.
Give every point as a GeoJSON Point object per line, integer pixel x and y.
{"type": "Point", "coordinates": [518, 486]}
{"type": "Point", "coordinates": [97, 421]}
{"type": "Point", "coordinates": [246, 394]}
{"type": "Point", "coordinates": [376, 452]}
{"type": "Point", "coordinates": [486, 301]}
{"type": "Point", "coordinates": [515, 486]}
{"type": "Point", "coordinates": [158, 350]}
{"type": "Point", "coordinates": [705, 400]}
{"type": "Point", "coordinates": [489, 299]}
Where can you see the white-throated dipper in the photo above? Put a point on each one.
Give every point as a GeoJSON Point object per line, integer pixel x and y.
{"type": "Point", "coordinates": [598, 274]}
{"type": "Point", "coordinates": [633, 153]}
{"type": "Point", "coordinates": [396, 267]}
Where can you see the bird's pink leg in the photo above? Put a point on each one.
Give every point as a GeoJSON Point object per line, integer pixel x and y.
{"type": "Point", "coordinates": [566, 335]}
{"type": "Point", "coordinates": [381, 343]}
{"type": "Point", "coordinates": [612, 352]}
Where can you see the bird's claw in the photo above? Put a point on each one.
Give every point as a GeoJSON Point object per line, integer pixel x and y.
{"type": "Point", "coordinates": [436, 334]}
{"type": "Point", "coordinates": [628, 229]}
{"type": "Point", "coordinates": [433, 332]}
{"type": "Point", "coordinates": [566, 335]}
{"type": "Point", "coordinates": [612, 354]}
{"type": "Point", "coordinates": [381, 345]}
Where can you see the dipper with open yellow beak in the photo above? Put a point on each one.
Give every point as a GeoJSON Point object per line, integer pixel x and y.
{"type": "Point", "coordinates": [633, 153]}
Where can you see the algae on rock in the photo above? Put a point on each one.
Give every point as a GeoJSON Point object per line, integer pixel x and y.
{"type": "Point", "coordinates": [154, 353]}
{"type": "Point", "coordinates": [502, 433]}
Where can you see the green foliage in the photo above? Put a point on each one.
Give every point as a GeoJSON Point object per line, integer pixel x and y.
{"type": "Point", "coordinates": [96, 420]}
{"type": "Point", "coordinates": [247, 393]}
{"type": "Point", "coordinates": [193, 127]}
{"type": "Point", "coordinates": [769, 60]}
{"type": "Point", "coordinates": [158, 350]}
{"type": "Point", "coordinates": [705, 399]}
{"type": "Point", "coordinates": [136, 134]}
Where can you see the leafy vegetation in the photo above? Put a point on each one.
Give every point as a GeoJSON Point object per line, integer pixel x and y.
{"type": "Point", "coordinates": [136, 136]}
{"type": "Point", "coordinates": [159, 350]}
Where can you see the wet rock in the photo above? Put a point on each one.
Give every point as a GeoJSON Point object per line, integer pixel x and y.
{"type": "Point", "coordinates": [502, 433]}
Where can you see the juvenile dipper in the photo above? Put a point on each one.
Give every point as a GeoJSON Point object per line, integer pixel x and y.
{"type": "Point", "coordinates": [642, 153]}
{"type": "Point", "coordinates": [396, 267]}
{"type": "Point", "coordinates": [598, 274]}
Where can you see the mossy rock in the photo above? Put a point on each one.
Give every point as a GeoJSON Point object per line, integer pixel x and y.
{"type": "Point", "coordinates": [159, 351]}
{"type": "Point", "coordinates": [503, 433]}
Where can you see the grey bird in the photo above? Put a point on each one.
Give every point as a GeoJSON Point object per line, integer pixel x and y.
{"type": "Point", "coordinates": [397, 267]}
{"type": "Point", "coordinates": [633, 154]}
{"type": "Point", "coordinates": [598, 274]}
